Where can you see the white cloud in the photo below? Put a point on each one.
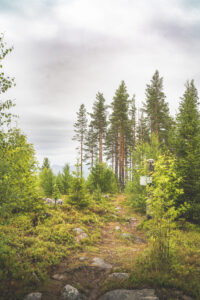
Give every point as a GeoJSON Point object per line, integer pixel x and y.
{"type": "Point", "coordinates": [67, 51]}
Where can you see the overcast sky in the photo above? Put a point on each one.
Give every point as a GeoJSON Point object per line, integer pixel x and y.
{"type": "Point", "coordinates": [65, 51]}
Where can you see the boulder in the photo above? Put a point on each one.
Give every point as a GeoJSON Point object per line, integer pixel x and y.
{"type": "Point", "coordinates": [98, 262]}
{"type": "Point", "coordinates": [34, 296]}
{"type": "Point", "coordinates": [71, 293]}
{"type": "Point", "coordinates": [146, 294]}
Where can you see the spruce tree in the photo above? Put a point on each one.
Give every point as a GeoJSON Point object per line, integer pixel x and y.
{"type": "Point", "coordinates": [156, 109]}
{"type": "Point", "coordinates": [187, 149]}
{"type": "Point", "coordinates": [46, 163]}
{"type": "Point", "coordinates": [80, 128]}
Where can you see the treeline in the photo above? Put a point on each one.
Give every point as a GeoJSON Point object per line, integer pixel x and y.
{"type": "Point", "coordinates": [114, 130]}
{"type": "Point", "coordinates": [125, 136]}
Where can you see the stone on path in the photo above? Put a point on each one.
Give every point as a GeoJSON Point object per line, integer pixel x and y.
{"type": "Point", "coordinates": [59, 277]}
{"type": "Point", "coordinates": [118, 276]}
{"type": "Point", "coordinates": [117, 228]}
{"type": "Point", "coordinates": [99, 262]}
{"type": "Point", "coordinates": [146, 294]}
{"type": "Point", "coordinates": [34, 296]}
{"type": "Point", "coordinates": [71, 293]}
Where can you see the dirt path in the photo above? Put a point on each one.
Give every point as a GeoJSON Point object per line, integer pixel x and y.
{"type": "Point", "coordinates": [119, 246]}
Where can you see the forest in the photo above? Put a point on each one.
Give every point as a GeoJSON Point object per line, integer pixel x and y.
{"type": "Point", "coordinates": [48, 220]}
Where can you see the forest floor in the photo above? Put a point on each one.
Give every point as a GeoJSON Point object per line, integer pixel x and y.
{"type": "Point", "coordinates": [119, 245]}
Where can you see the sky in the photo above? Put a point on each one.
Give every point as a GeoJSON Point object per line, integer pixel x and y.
{"type": "Point", "coordinates": [65, 51]}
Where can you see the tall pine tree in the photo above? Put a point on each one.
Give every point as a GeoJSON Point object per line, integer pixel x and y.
{"type": "Point", "coordinates": [99, 122]}
{"type": "Point", "coordinates": [80, 128]}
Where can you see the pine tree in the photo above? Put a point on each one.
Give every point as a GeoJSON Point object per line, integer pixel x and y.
{"type": "Point", "coordinates": [91, 147]}
{"type": "Point", "coordinates": [142, 130]}
{"type": "Point", "coordinates": [187, 149]}
{"type": "Point", "coordinates": [156, 109]}
{"type": "Point", "coordinates": [80, 128]}
{"type": "Point", "coordinates": [119, 125]}
{"type": "Point", "coordinates": [99, 122]}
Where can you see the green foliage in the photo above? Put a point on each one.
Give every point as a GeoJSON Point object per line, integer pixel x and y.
{"type": "Point", "coordinates": [56, 192]}
{"type": "Point", "coordinates": [59, 183]}
{"type": "Point", "coordinates": [47, 180]}
{"type": "Point", "coordinates": [103, 177]}
{"type": "Point", "coordinates": [80, 129]}
{"type": "Point", "coordinates": [137, 193]}
{"type": "Point", "coordinates": [66, 179]}
{"type": "Point", "coordinates": [156, 109]}
{"type": "Point", "coordinates": [187, 149]}
{"type": "Point", "coordinates": [78, 193]}
{"type": "Point", "coordinates": [164, 191]}
{"type": "Point", "coordinates": [18, 180]}
{"type": "Point", "coordinates": [46, 163]}
{"type": "Point", "coordinates": [5, 83]}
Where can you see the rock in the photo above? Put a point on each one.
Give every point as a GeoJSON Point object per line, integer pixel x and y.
{"type": "Point", "coordinates": [52, 201]}
{"type": "Point", "coordinates": [146, 294]}
{"type": "Point", "coordinates": [117, 228]}
{"type": "Point", "coordinates": [60, 202]}
{"type": "Point", "coordinates": [81, 237]}
{"type": "Point", "coordinates": [71, 293]}
{"type": "Point", "coordinates": [117, 208]}
{"type": "Point", "coordinates": [98, 262]}
{"type": "Point", "coordinates": [134, 250]}
{"type": "Point", "coordinates": [126, 235]}
{"type": "Point", "coordinates": [80, 234]}
{"type": "Point", "coordinates": [118, 276]}
{"type": "Point", "coordinates": [78, 230]}
{"type": "Point", "coordinates": [106, 196]}
{"type": "Point", "coordinates": [59, 277]}
{"type": "Point", "coordinates": [133, 219]}
{"type": "Point", "coordinates": [49, 201]}
{"type": "Point", "coordinates": [83, 258]}
{"type": "Point", "coordinates": [34, 296]}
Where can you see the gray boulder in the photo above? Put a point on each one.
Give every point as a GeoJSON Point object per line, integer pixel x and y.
{"type": "Point", "coordinates": [146, 294]}
{"type": "Point", "coordinates": [71, 293]}
{"type": "Point", "coordinates": [34, 296]}
{"type": "Point", "coordinates": [98, 262]}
